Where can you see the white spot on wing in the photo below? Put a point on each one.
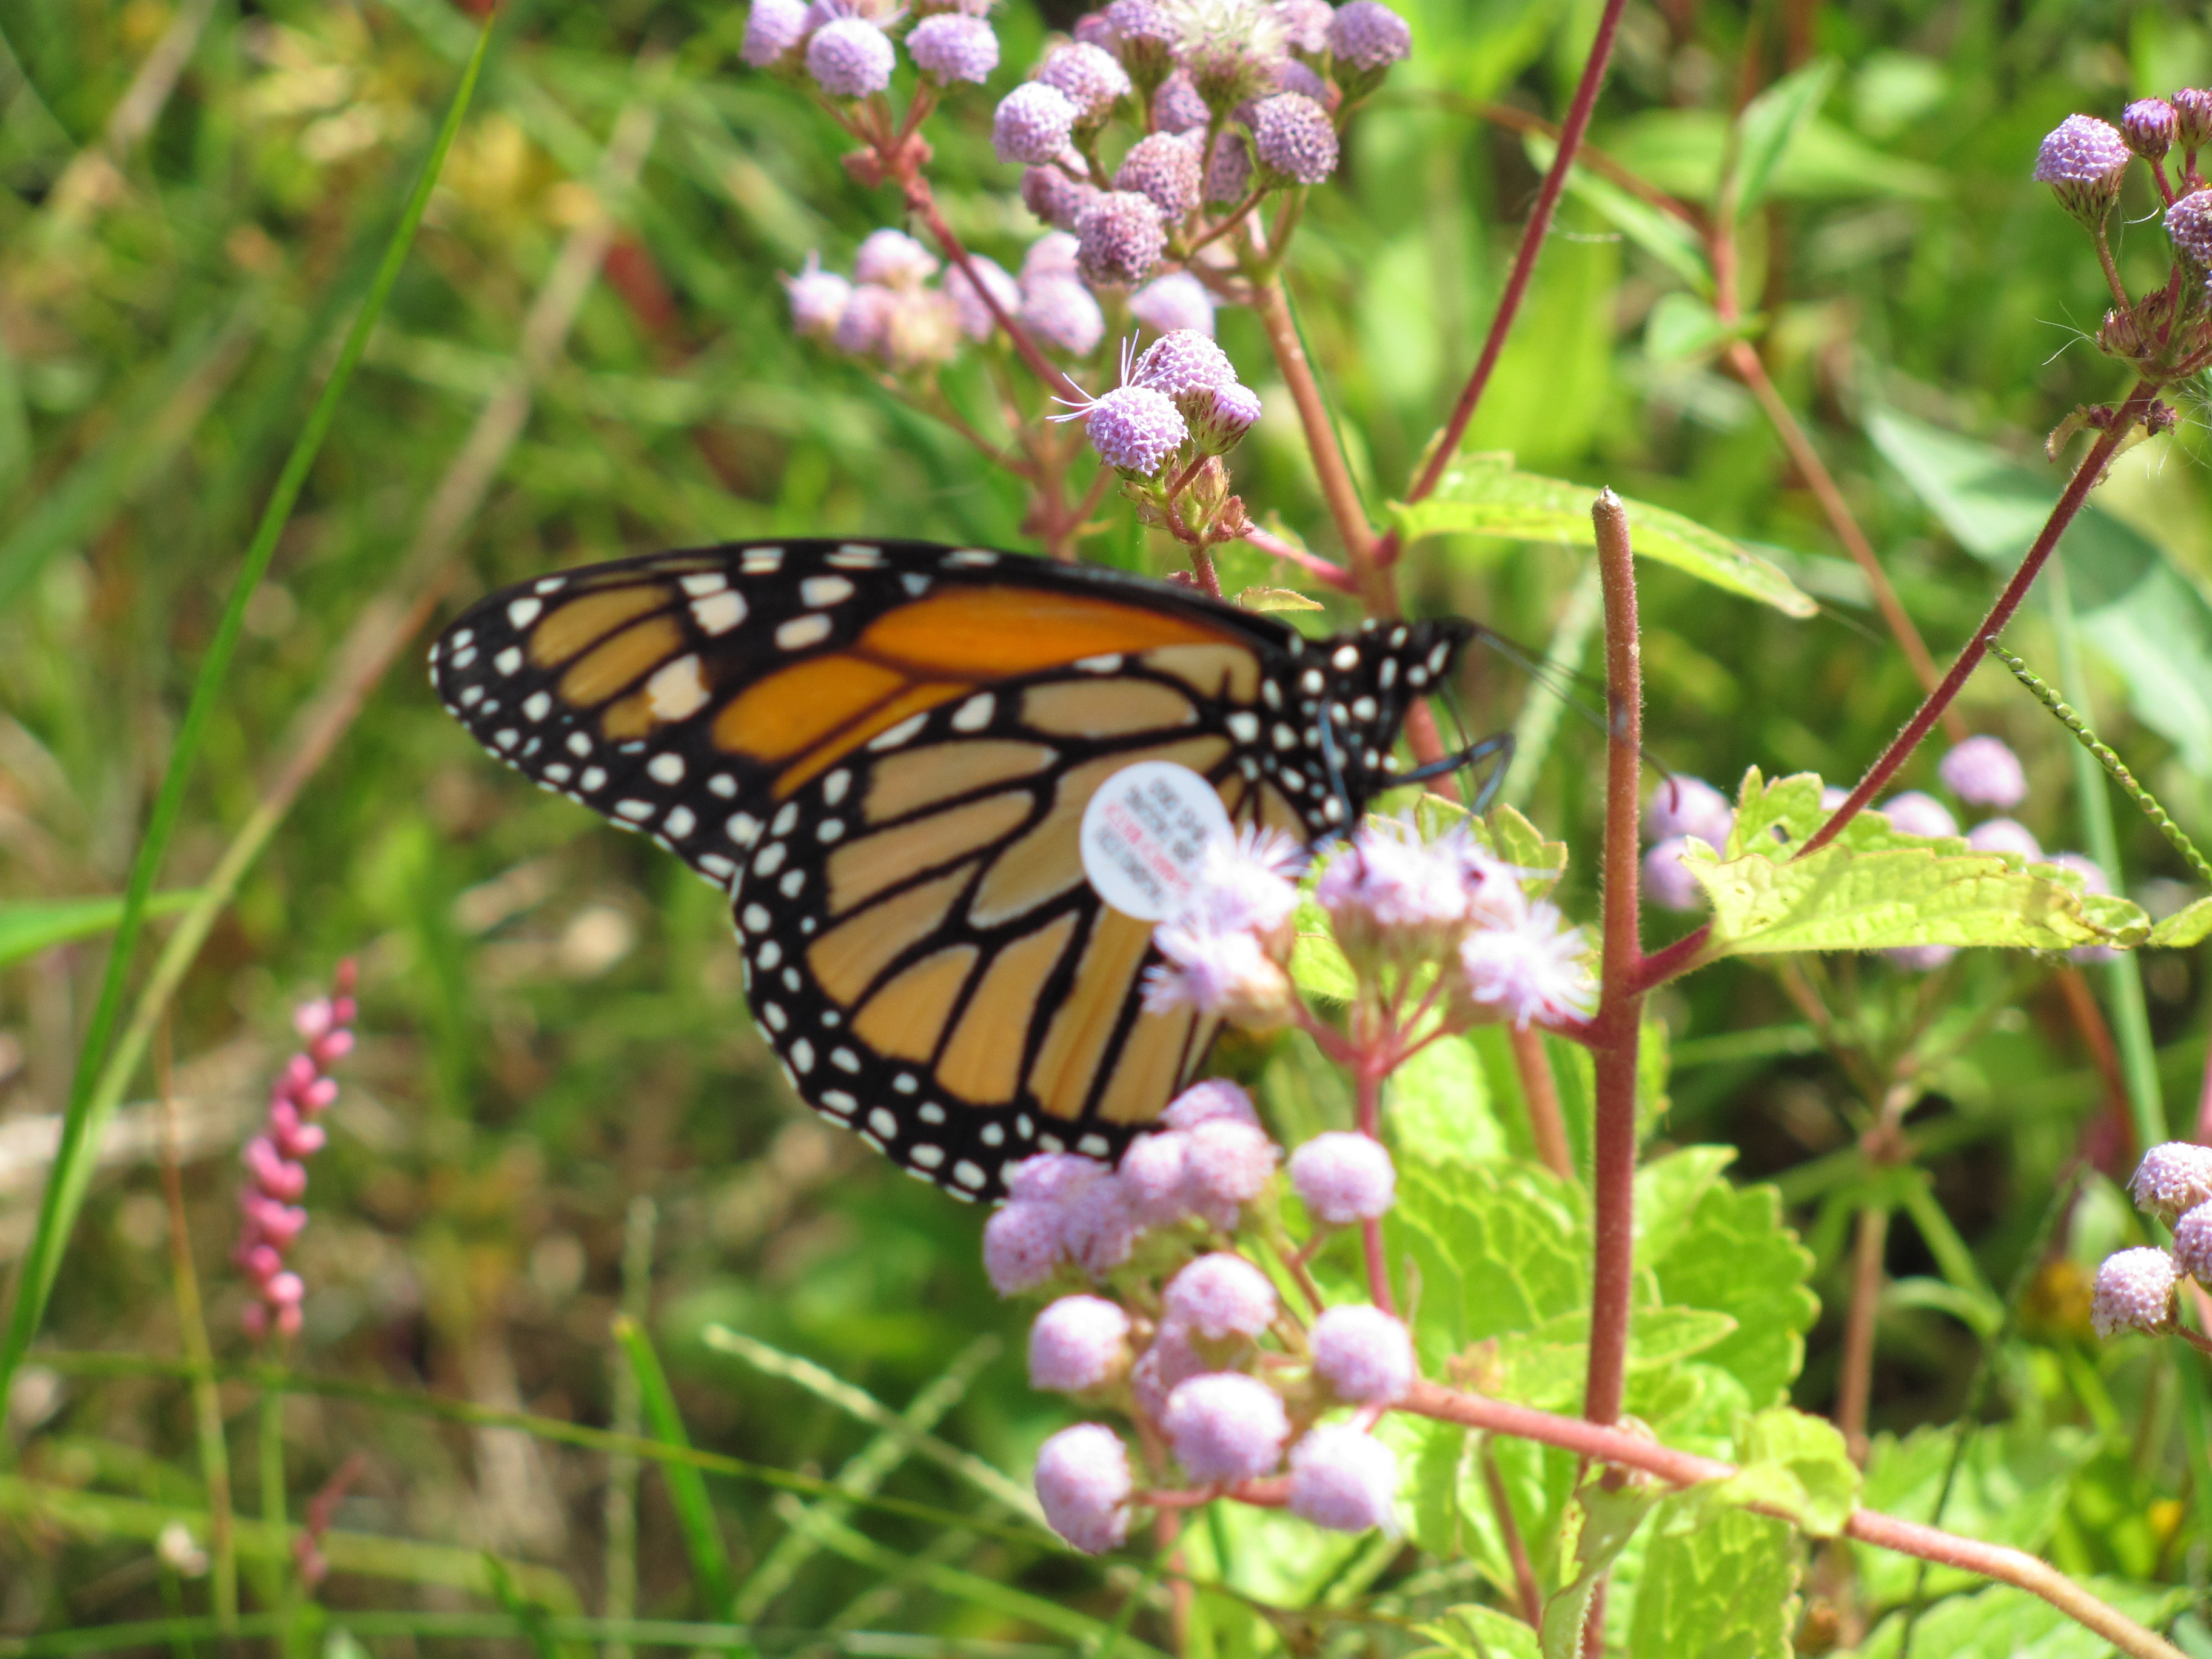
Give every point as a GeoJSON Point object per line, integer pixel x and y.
{"type": "Point", "coordinates": [974, 714]}
{"type": "Point", "coordinates": [718, 613]}
{"type": "Point", "coordinates": [665, 769]}
{"type": "Point", "coordinates": [677, 690]}
{"type": "Point", "coordinates": [523, 612]}
{"type": "Point", "coordinates": [899, 733]}
{"type": "Point", "coordinates": [698, 586]}
{"type": "Point", "coordinates": [819, 591]}
{"type": "Point", "coordinates": [508, 661]}
{"type": "Point", "coordinates": [802, 631]}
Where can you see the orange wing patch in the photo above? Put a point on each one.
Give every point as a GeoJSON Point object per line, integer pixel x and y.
{"type": "Point", "coordinates": [581, 623]}
{"type": "Point", "coordinates": [1001, 632]}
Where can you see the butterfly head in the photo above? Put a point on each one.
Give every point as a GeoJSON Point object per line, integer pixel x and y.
{"type": "Point", "coordinates": [1354, 691]}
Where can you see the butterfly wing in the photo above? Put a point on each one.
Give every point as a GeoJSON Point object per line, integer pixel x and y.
{"type": "Point", "coordinates": [882, 752]}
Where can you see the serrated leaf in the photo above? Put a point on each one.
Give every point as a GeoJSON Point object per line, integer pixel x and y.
{"type": "Point", "coordinates": [1768, 127]}
{"type": "Point", "coordinates": [1734, 1255]}
{"type": "Point", "coordinates": [1276, 598]}
{"type": "Point", "coordinates": [1548, 1366]}
{"type": "Point", "coordinates": [1478, 1632]}
{"type": "Point", "coordinates": [1436, 1106]}
{"type": "Point", "coordinates": [1723, 1588]}
{"type": "Point", "coordinates": [2186, 926]}
{"type": "Point", "coordinates": [1480, 497]}
{"type": "Point", "coordinates": [1509, 835]}
{"type": "Point", "coordinates": [1872, 888]}
{"type": "Point", "coordinates": [2001, 1622]}
{"type": "Point", "coordinates": [1609, 1520]}
{"type": "Point", "coordinates": [1788, 1460]}
{"type": "Point", "coordinates": [1499, 1248]}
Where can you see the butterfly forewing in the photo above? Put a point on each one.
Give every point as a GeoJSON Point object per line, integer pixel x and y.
{"type": "Point", "coordinates": [882, 752]}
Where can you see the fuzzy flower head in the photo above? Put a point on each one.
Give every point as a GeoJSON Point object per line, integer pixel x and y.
{"type": "Point", "coordinates": [850, 57]}
{"type": "Point", "coordinates": [921, 327]}
{"type": "Point", "coordinates": [817, 298]}
{"type": "Point", "coordinates": [1915, 812]}
{"type": "Point", "coordinates": [1099, 1227]}
{"type": "Point", "coordinates": [1220, 1295]}
{"type": "Point", "coordinates": [2134, 1293]}
{"type": "Point", "coordinates": [1089, 77]}
{"type": "Point", "coordinates": [1223, 971]}
{"type": "Point", "coordinates": [1366, 37]}
{"type": "Point", "coordinates": [1213, 1100]}
{"type": "Point", "coordinates": [1222, 417]}
{"type": "Point", "coordinates": [2173, 1178]}
{"type": "Point", "coordinates": [1531, 970]}
{"type": "Point", "coordinates": [1229, 169]}
{"type": "Point", "coordinates": [1152, 1173]}
{"type": "Point", "coordinates": [1143, 33]}
{"type": "Point", "coordinates": [2005, 835]}
{"type": "Point", "coordinates": [2188, 223]}
{"type": "Point", "coordinates": [952, 46]}
{"type": "Point", "coordinates": [1393, 896]}
{"type": "Point", "coordinates": [2192, 1244]}
{"type": "Point", "coordinates": [1176, 300]}
{"type": "Point", "coordinates": [1062, 313]}
{"type": "Point", "coordinates": [1032, 123]}
{"type": "Point", "coordinates": [1363, 1354]}
{"type": "Point", "coordinates": [977, 320]}
{"type": "Point", "coordinates": [1056, 198]}
{"type": "Point", "coordinates": [1226, 1164]}
{"type": "Point", "coordinates": [1164, 168]}
{"type": "Point", "coordinates": [1133, 428]}
{"type": "Point", "coordinates": [892, 258]}
{"type": "Point", "coordinates": [1683, 806]}
{"type": "Point", "coordinates": [1122, 237]}
{"type": "Point", "coordinates": [2149, 125]}
{"type": "Point", "coordinates": [1231, 47]}
{"type": "Point", "coordinates": [1343, 1478]}
{"type": "Point", "coordinates": [1084, 1483]}
{"type": "Point", "coordinates": [1982, 771]}
{"type": "Point", "coordinates": [1176, 106]}
{"type": "Point", "coordinates": [1305, 25]}
{"type": "Point", "coordinates": [1022, 1246]}
{"type": "Point", "coordinates": [2082, 161]}
{"type": "Point", "coordinates": [1344, 1178]}
{"type": "Point", "coordinates": [774, 29]}
{"type": "Point", "coordinates": [1225, 1426]}
{"type": "Point", "coordinates": [1668, 882]}
{"type": "Point", "coordinates": [1078, 1343]}
{"type": "Point", "coordinates": [1182, 363]}
{"type": "Point", "coordinates": [1294, 139]}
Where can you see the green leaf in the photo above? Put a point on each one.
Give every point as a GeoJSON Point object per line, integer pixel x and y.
{"type": "Point", "coordinates": [27, 928]}
{"type": "Point", "coordinates": [2001, 1622]}
{"type": "Point", "coordinates": [1318, 967]}
{"type": "Point", "coordinates": [2186, 926]}
{"type": "Point", "coordinates": [1673, 241]}
{"type": "Point", "coordinates": [1438, 1107]}
{"type": "Point", "coordinates": [1547, 1367]}
{"type": "Point", "coordinates": [1480, 496]}
{"type": "Point", "coordinates": [1683, 327]}
{"type": "Point", "coordinates": [1874, 889]}
{"type": "Point", "coordinates": [1521, 844]}
{"type": "Point", "coordinates": [1478, 1632]}
{"type": "Point", "coordinates": [687, 1487]}
{"type": "Point", "coordinates": [1682, 151]}
{"type": "Point", "coordinates": [1790, 1461]}
{"type": "Point", "coordinates": [1715, 1585]}
{"type": "Point", "coordinates": [1609, 1520]}
{"type": "Point", "coordinates": [2148, 619]}
{"type": "Point", "coordinates": [1767, 127]}
{"type": "Point", "coordinates": [1731, 1253]}
{"type": "Point", "coordinates": [1499, 1248]}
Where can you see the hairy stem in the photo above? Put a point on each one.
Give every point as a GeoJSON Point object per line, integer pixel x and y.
{"type": "Point", "coordinates": [1621, 1004]}
{"type": "Point", "coordinates": [2085, 479]}
{"type": "Point", "coordinates": [1533, 235]}
{"type": "Point", "coordinates": [1540, 1091]}
{"type": "Point", "coordinates": [1370, 1082]}
{"type": "Point", "coordinates": [923, 204]}
{"type": "Point", "coordinates": [1624, 1450]}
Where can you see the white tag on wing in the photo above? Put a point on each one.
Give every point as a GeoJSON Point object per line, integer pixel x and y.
{"type": "Point", "coordinates": [1145, 836]}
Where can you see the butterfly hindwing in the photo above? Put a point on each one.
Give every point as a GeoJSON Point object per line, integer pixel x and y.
{"type": "Point", "coordinates": [882, 751]}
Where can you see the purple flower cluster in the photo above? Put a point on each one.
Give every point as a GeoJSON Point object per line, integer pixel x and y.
{"type": "Point", "coordinates": [2134, 1289]}
{"type": "Point", "coordinates": [275, 1159]}
{"type": "Point", "coordinates": [1194, 1343]}
{"type": "Point", "coordinates": [2085, 160]}
{"type": "Point", "coordinates": [846, 49]}
{"type": "Point", "coordinates": [1681, 808]}
{"type": "Point", "coordinates": [1179, 400]}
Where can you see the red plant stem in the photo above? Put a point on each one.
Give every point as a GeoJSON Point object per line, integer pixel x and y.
{"type": "Point", "coordinates": [1277, 548]}
{"type": "Point", "coordinates": [1540, 1091]}
{"type": "Point", "coordinates": [1856, 1387]}
{"type": "Point", "coordinates": [1624, 1450]}
{"type": "Point", "coordinates": [1524, 1573]}
{"type": "Point", "coordinates": [1345, 511]}
{"type": "Point", "coordinates": [1620, 1005]}
{"type": "Point", "coordinates": [2085, 479]}
{"type": "Point", "coordinates": [1524, 264]}
{"type": "Point", "coordinates": [1369, 1086]}
{"type": "Point", "coordinates": [923, 205]}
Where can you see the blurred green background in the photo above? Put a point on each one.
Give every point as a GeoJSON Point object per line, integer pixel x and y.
{"type": "Point", "coordinates": [553, 1028]}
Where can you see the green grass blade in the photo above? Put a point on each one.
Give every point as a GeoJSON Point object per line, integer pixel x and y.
{"type": "Point", "coordinates": [27, 929]}
{"type": "Point", "coordinates": [80, 1127]}
{"type": "Point", "coordinates": [687, 1487]}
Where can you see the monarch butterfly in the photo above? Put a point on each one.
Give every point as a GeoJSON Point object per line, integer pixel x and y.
{"type": "Point", "coordinates": [882, 751]}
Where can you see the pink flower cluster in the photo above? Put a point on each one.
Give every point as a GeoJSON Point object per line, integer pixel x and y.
{"type": "Point", "coordinates": [2134, 1289]}
{"type": "Point", "coordinates": [275, 1159]}
{"type": "Point", "coordinates": [1178, 402]}
{"type": "Point", "coordinates": [1197, 1349]}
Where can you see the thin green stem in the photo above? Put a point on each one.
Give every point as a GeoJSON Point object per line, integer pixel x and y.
{"type": "Point", "coordinates": [82, 1125]}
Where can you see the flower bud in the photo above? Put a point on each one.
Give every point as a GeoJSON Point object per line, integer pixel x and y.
{"type": "Point", "coordinates": [2192, 109]}
{"type": "Point", "coordinates": [1344, 1178]}
{"type": "Point", "coordinates": [1084, 1484]}
{"type": "Point", "coordinates": [1144, 39]}
{"type": "Point", "coordinates": [1078, 1343]}
{"type": "Point", "coordinates": [1982, 771]}
{"type": "Point", "coordinates": [2173, 1178]}
{"type": "Point", "coordinates": [1363, 1354]}
{"type": "Point", "coordinates": [1220, 1295]}
{"type": "Point", "coordinates": [2082, 161]}
{"type": "Point", "coordinates": [1668, 882]}
{"type": "Point", "coordinates": [1090, 79]}
{"type": "Point", "coordinates": [1122, 237]}
{"type": "Point", "coordinates": [773, 29]}
{"type": "Point", "coordinates": [850, 57]}
{"type": "Point", "coordinates": [1063, 314]}
{"type": "Point", "coordinates": [1916, 812]}
{"type": "Point", "coordinates": [1176, 301]}
{"type": "Point", "coordinates": [1225, 1426]}
{"type": "Point", "coordinates": [952, 46]}
{"type": "Point", "coordinates": [1294, 139]}
{"type": "Point", "coordinates": [2149, 125]}
{"type": "Point", "coordinates": [2005, 835]}
{"type": "Point", "coordinates": [1164, 168]}
{"type": "Point", "coordinates": [2134, 1293]}
{"type": "Point", "coordinates": [2188, 223]}
{"type": "Point", "coordinates": [1022, 1246]}
{"type": "Point", "coordinates": [1032, 123]}
{"type": "Point", "coordinates": [1343, 1478]}
{"type": "Point", "coordinates": [2192, 1244]}
{"type": "Point", "coordinates": [1220, 417]}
